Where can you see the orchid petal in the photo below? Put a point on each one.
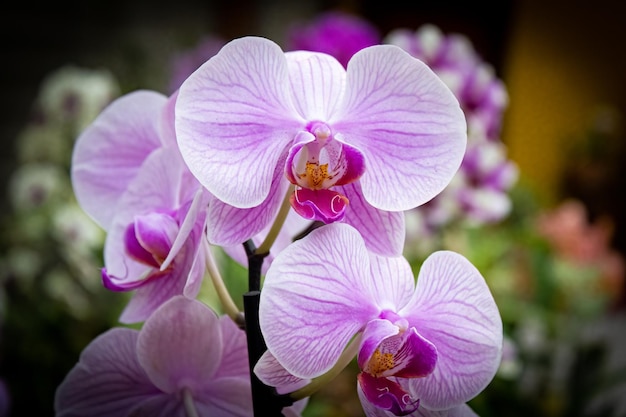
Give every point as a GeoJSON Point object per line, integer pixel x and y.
{"type": "Point", "coordinates": [234, 113]}
{"type": "Point", "coordinates": [272, 373]}
{"type": "Point", "coordinates": [317, 83]}
{"type": "Point", "coordinates": [162, 286]}
{"type": "Point", "coordinates": [198, 269]}
{"type": "Point", "coordinates": [310, 309]}
{"type": "Point", "coordinates": [109, 152]}
{"type": "Point", "coordinates": [453, 308]}
{"type": "Point", "coordinates": [180, 345]}
{"type": "Point", "coordinates": [392, 281]}
{"type": "Point", "coordinates": [228, 225]}
{"type": "Point", "coordinates": [226, 397]}
{"type": "Point", "coordinates": [156, 232]}
{"type": "Point", "coordinates": [164, 405]}
{"type": "Point", "coordinates": [195, 214]}
{"type": "Point", "coordinates": [235, 360]}
{"type": "Point", "coordinates": [383, 231]}
{"type": "Point", "coordinates": [293, 227]}
{"type": "Point", "coordinates": [406, 122]}
{"type": "Point", "coordinates": [107, 381]}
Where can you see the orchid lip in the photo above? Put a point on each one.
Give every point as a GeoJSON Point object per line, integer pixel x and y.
{"type": "Point", "coordinates": [387, 395]}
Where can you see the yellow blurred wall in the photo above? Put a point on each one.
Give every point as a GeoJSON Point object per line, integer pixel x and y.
{"type": "Point", "coordinates": [565, 59]}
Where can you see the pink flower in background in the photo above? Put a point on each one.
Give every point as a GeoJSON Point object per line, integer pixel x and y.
{"type": "Point", "coordinates": [479, 193]}
{"type": "Point", "coordinates": [334, 33]}
{"type": "Point", "coordinates": [184, 357]}
{"type": "Point", "coordinates": [430, 347]}
{"type": "Point", "coordinates": [129, 176]}
{"type": "Point", "coordinates": [360, 145]}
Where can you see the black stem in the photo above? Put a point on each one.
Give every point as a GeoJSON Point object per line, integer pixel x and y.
{"type": "Point", "coordinates": [265, 401]}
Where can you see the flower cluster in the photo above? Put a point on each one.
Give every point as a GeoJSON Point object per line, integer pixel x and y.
{"type": "Point", "coordinates": [478, 194]}
{"type": "Point", "coordinates": [304, 168]}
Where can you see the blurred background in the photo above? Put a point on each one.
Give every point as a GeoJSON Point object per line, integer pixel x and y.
{"type": "Point", "coordinates": [553, 257]}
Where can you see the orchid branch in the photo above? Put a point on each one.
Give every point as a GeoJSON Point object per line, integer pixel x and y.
{"type": "Point", "coordinates": [278, 223]}
{"type": "Point", "coordinates": [265, 402]}
{"type": "Point", "coordinates": [190, 408]}
{"type": "Point", "coordinates": [229, 306]}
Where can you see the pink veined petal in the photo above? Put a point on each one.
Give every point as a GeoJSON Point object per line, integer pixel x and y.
{"type": "Point", "coordinates": [110, 151]}
{"type": "Point", "coordinates": [180, 345]}
{"type": "Point", "coordinates": [107, 381]}
{"type": "Point", "coordinates": [406, 122]}
{"type": "Point", "coordinates": [317, 83]}
{"type": "Point", "coordinates": [272, 373]}
{"type": "Point", "coordinates": [234, 120]}
{"type": "Point", "coordinates": [228, 225]}
{"type": "Point", "coordinates": [394, 282]}
{"type": "Point", "coordinates": [316, 296]}
{"type": "Point", "coordinates": [383, 231]}
{"type": "Point", "coordinates": [453, 308]}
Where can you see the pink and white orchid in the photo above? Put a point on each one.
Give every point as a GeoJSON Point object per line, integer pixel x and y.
{"type": "Point", "coordinates": [129, 176]}
{"type": "Point", "coordinates": [431, 346]}
{"type": "Point", "coordinates": [183, 358]}
{"type": "Point", "coordinates": [359, 145]}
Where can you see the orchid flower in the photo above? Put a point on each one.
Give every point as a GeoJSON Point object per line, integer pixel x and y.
{"type": "Point", "coordinates": [155, 245]}
{"type": "Point", "coordinates": [359, 145]}
{"type": "Point", "coordinates": [128, 175]}
{"type": "Point", "coordinates": [431, 346]}
{"type": "Point", "coordinates": [184, 359]}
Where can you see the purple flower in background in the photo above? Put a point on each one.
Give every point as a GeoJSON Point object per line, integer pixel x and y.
{"type": "Point", "coordinates": [183, 358]}
{"type": "Point", "coordinates": [361, 145]}
{"type": "Point", "coordinates": [479, 192]}
{"type": "Point", "coordinates": [429, 347]}
{"type": "Point", "coordinates": [334, 33]}
{"type": "Point", "coordinates": [129, 176]}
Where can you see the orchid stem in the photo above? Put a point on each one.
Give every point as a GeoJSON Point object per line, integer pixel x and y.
{"type": "Point", "coordinates": [344, 360]}
{"type": "Point", "coordinates": [190, 407]}
{"type": "Point", "coordinates": [264, 401]}
{"type": "Point", "coordinates": [229, 306]}
{"type": "Point", "coordinates": [278, 223]}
